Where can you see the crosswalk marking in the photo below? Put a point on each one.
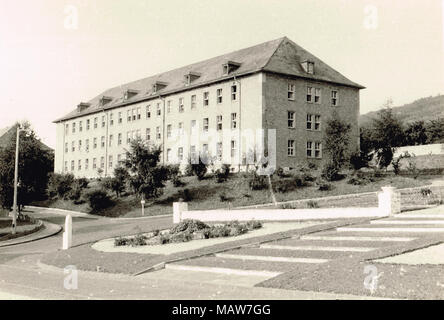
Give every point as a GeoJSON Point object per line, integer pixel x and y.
{"type": "Point", "coordinates": [407, 222]}
{"type": "Point", "coordinates": [270, 258]}
{"type": "Point", "coordinates": [316, 248]}
{"type": "Point", "coordinates": [432, 216]}
{"type": "Point", "coordinates": [240, 272]}
{"type": "Point", "coordinates": [357, 238]}
{"type": "Point", "coordinates": [413, 230]}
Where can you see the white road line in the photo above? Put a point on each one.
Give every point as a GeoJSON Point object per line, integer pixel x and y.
{"type": "Point", "coordinates": [407, 216]}
{"type": "Point", "coordinates": [269, 258]}
{"type": "Point", "coordinates": [316, 248]}
{"type": "Point", "coordinates": [404, 222]}
{"type": "Point", "coordinates": [357, 238]}
{"type": "Point", "coordinates": [223, 270]}
{"type": "Point", "coordinates": [412, 230]}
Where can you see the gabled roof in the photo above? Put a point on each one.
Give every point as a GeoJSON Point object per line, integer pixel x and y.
{"type": "Point", "coordinates": [280, 56]}
{"type": "Point", "coordinates": [9, 133]}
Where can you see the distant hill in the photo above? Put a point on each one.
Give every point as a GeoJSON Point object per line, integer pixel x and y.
{"type": "Point", "coordinates": [422, 109]}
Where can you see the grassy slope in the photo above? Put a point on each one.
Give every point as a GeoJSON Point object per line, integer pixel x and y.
{"type": "Point", "coordinates": [206, 195]}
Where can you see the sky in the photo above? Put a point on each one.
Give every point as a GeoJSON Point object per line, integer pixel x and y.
{"type": "Point", "coordinates": [55, 53]}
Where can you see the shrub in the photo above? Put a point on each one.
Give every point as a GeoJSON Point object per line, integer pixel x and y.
{"type": "Point", "coordinates": [252, 225]}
{"type": "Point", "coordinates": [413, 170]}
{"type": "Point", "coordinates": [323, 185]}
{"type": "Point", "coordinates": [257, 182]}
{"type": "Point", "coordinates": [120, 241]}
{"type": "Point", "coordinates": [82, 182]}
{"type": "Point", "coordinates": [197, 168]}
{"type": "Point", "coordinates": [223, 197]}
{"type": "Point", "coordinates": [425, 192]}
{"type": "Point", "coordinates": [186, 195]}
{"type": "Point", "coordinates": [312, 166]}
{"type": "Point", "coordinates": [60, 185]}
{"type": "Point", "coordinates": [98, 200]}
{"type": "Point", "coordinates": [138, 240]}
{"type": "Point", "coordinates": [222, 174]}
{"type": "Point", "coordinates": [299, 180]}
{"type": "Point", "coordinates": [330, 171]}
{"type": "Point", "coordinates": [359, 160]}
{"type": "Point", "coordinates": [189, 225]}
{"type": "Point", "coordinates": [312, 204]}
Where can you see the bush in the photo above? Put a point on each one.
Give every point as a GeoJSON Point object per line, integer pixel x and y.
{"type": "Point", "coordinates": [121, 241]}
{"type": "Point", "coordinates": [138, 240]}
{"type": "Point", "coordinates": [198, 169]}
{"type": "Point", "coordinates": [330, 171]}
{"type": "Point", "coordinates": [359, 160]}
{"type": "Point", "coordinates": [186, 195]}
{"type": "Point", "coordinates": [98, 200]}
{"type": "Point", "coordinates": [257, 182]}
{"type": "Point", "coordinates": [189, 225]}
{"type": "Point", "coordinates": [323, 185]}
{"type": "Point", "coordinates": [223, 197]}
{"type": "Point", "coordinates": [222, 174]}
{"type": "Point", "coordinates": [413, 170]}
{"type": "Point", "coordinates": [312, 204]}
{"type": "Point", "coordinates": [426, 192]}
{"type": "Point", "coordinates": [59, 185]}
{"type": "Point", "coordinates": [252, 225]}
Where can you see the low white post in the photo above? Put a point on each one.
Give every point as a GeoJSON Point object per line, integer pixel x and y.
{"type": "Point", "coordinates": [67, 235]}
{"type": "Point", "coordinates": [178, 208]}
{"type": "Point", "coordinates": [389, 201]}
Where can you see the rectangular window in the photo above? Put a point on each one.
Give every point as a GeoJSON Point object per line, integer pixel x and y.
{"type": "Point", "coordinates": [159, 110]}
{"type": "Point", "coordinates": [102, 141]}
{"type": "Point", "coordinates": [110, 161]}
{"type": "Point", "coordinates": [94, 163]}
{"type": "Point", "coordinates": [204, 148]}
{"type": "Point", "coordinates": [206, 98]}
{"type": "Point", "coordinates": [158, 135]}
{"type": "Point", "coordinates": [219, 95]}
{"type": "Point", "coordinates": [148, 111]}
{"type": "Point", "coordinates": [193, 153]}
{"type": "Point", "coordinates": [86, 164]}
{"type": "Point", "coordinates": [180, 153]}
{"type": "Point", "coordinates": [79, 165]}
{"type": "Point", "coordinates": [87, 124]}
{"type": "Point", "coordinates": [138, 136]}
{"type": "Point", "coordinates": [309, 94]}
{"type": "Point", "coordinates": [168, 159]}
{"type": "Point", "coordinates": [169, 131]}
{"type": "Point", "coordinates": [180, 128]}
{"type": "Point", "coordinates": [169, 106]}
{"type": "Point", "coordinates": [317, 123]}
{"type": "Point", "coordinates": [139, 114]}
{"type": "Point", "coordinates": [120, 117]}
{"type": "Point", "coordinates": [234, 120]}
{"type": "Point", "coordinates": [334, 98]}
{"type": "Point", "coordinates": [291, 119]}
{"type": "Point", "coordinates": [73, 147]}
{"type": "Point", "coordinates": [309, 122]}
{"type": "Point", "coordinates": [233, 148]}
{"type": "Point", "coordinates": [318, 95]}
{"type": "Point", "coordinates": [95, 143]}
{"type": "Point", "coordinates": [103, 122]}
{"type": "Point", "coordinates": [128, 137]}
{"type": "Point", "coordinates": [119, 139]}
{"type": "Point", "coordinates": [72, 165]}
{"type": "Point", "coordinates": [95, 122]}
{"type": "Point", "coordinates": [219, 122]}
{"type": "Point", "coordinates": [290, 148]}
{"type": "Point", "coordinates": [205, 124]}
{"type": "Point", "coordinates": [110, 142]}
{"type": "Point", "coordinates": [318, 150]}
{"type": "Point", "coordinates": [66, 147]}
{"type": "Point", "coordinates": [87, 145]}
{"type": "Point", "coordinates": [148, 134]}
{"type": "Point", "coordinates": [181, 106]}
{"type": "Point", "coordinates": [66, 166]}
{"type": "Point", "coordinates": [128, 115]}
{"type": "Point", "coordinates": [67, 129]}
{"type": "Point", "coordinates": [193, 127]}
{"type": "Point", "coordinates": [233, 92]}
{"type": "Point", "coordinates": [193, 101]}
{"type": "Point", "coordinates": [134, 114]}
{"type": "Point", "coordinates": [219, 151]}
{"type": "Point", "coordinates": [291, 91]}
{"type": "Point", "coordinates": [73, 127]}
{"type": "Point", "coordinates": [309, 149]}
{"type": "Point", "coordinates": [102, 162]}
{"type": "Point", "coordinates": [80, 145]}
{"type": "Point", "coordinates": [111, 120]}
{"type": "Point", "coordinates": [80, 126]}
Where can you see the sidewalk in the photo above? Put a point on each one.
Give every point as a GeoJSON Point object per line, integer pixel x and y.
{"type": "Point", "coordinates": [48, 230]}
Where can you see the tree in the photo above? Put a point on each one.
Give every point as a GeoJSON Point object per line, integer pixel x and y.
{"type": "Point", "coordinates": [387, 134]}
{"type": "Point", "coordinates": [415, 134]}
{"type": "Point", "coordinates": [435, 131]}
{"type": "Point", "coordinates": [35, 164]}
{"type": "Point", "coordinates": [146, 176]}
{"type": "Point", "coordinates": [337, 137]}
{"type": "Point", "coordinates": [199, 168]}
{"type": "Point", "coordinates": [361, 158]}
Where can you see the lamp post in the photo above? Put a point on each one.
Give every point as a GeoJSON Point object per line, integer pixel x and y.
{"type": "Point", "coordinates": [14, 206]}
{"type": "Point", "coordinates": [142, 202]}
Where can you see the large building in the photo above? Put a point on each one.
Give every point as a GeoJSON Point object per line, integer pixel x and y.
{"type": "Point", "coordinates": [218, 106]}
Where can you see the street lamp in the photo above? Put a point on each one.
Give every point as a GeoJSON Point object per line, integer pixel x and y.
{"type": "Point", "coordinates": [14, 206]}
{"type": "Point", "coordinates": [142, 202]}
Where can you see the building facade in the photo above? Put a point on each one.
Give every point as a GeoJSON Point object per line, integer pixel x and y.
{"type": "Point", "coordinates": [274, 96]}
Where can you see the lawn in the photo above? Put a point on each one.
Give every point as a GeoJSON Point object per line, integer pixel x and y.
{"type": "Point", "coordinates": [208, 194]}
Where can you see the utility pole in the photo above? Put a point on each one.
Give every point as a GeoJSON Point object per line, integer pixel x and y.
{"type": "Point", "coordinates": [14, 206]}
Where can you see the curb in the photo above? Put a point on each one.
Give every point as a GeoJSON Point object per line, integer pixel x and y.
{"type": "Point", "coordinates": [140, 218]}
{"type": "Point", "coordinates": [43, 233]}
{"type": "Point", "coordinates": [73, 213]}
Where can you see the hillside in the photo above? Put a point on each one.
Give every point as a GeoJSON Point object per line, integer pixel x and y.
{"type": "Point", "coordinates": [422, 109]}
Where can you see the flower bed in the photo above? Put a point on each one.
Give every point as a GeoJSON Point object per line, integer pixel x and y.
{"type": "Point", "coordinates": [188, 230]}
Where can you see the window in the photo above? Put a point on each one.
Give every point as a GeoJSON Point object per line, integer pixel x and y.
{"type": "Point", "coordinates": [219, 122]}
{"type": "Point", "coordinates": [148, 134]}
{"type": "Point", "coordinates": [158, 135]}
{"type": "Point", "coordinates": [87, 124]}
{"type": "Point", "coordinates": [72, 165]}
{"type": "Point", "coordinates": [233, 92]}
{"type": "Point", "coordinates": [309, 94]}
{"type": "Point", "coordinates": [128, 115]}
{"type": "Point", "coordinates": [80, 145]}
{"type": "Point", "coordinates": [334, 98]}
{"type": "Point", "coordinates": [80, 126]}
{"type": "Point", "coordinates": [66, 166]}
{"type": "Point", "coordinates": [110, 142]}
{"type": "Point", "coordinates": [87, 145]}
{"type": "Point", "coordinates": [181, 106]}
{"type": "Point", "coordinates": [219, 95]}
{"type": "Point", "coordinates": [204, 148]}
{"type": "Point", "coordinates": [94, 163]}
{"type": "Point", "coordinates": [310, 67]}
{"type": "Point", "coordinates": [120, 117]}
{"type": "Point", "coordinates": [233, 148]}
{"type": "Point", "coordinates": [309, 122]}
{"type": "Point", "coordinates": [95, 122]}
{"type": "Point", "coordinates": [169, 106]}
{"type": "Point", "coordinates": [102, 162]}
{"type": "Point", "coordinates": [234, 120]}
{"type": "Point", "coordinates": [139, 115]}
{"type": "Point", "coordinates": [148, 111]}
{"type": "Point", "coordinates": [193, 126]}
{"type": "Point", "coordinates": [180, 128]}
{"type": "Point", "coordinates": [110, 161]}
{"type": "Point", "coordinates": [67, 129]}
{"type": "Point", "coordinates": [86, 164]}
{"type": "Point", "coordinates": [119, 139]}
{"type": "Point", "coordinates": [79, 165]}
{"type": "Point", "coordinates": [169, 131]}
{"type": "Point", "coordinates": [291, 91]}
{"type": "Point", "coordinates": [111, 120]}
{"type": "Point", "coordinates": [290, 148]}
{"type": "Point", "coordinates": [180, 153]}
{"type": "Point", "coordinates": [309, 149]}
{"type": "Point", "coordinates": [159, 111]}
{"type": "Point", "coordinates": [102, 141]}
{"type": "Point", "coordinates": [128, 137]}
{"type": "Point", "coordinates": [219, 150]}
{"type": "Point", "coordinates": [168, 159]}
{"type": "Point", "coordinates": [138, 134]}
{"type": "Point", "coordinates": [103, 122]}
{"type": "Point", "coordinates": [95, 143]}
{"type": "Point", "coordinates": [73, 127]}
{"type": "Point", "coordinates": [193, 101]}
{"type": "Point", "coordinates": [66, 147]}
{"type": "Point", "coordinates": [205, 124]}
{"type": "Point", "coordinates": [206, 98]}
{"type": "Point", "coordinates": [318, 150]}
{"type": "Point", "coordinates": [317, 123]}
{"type": "Point", "coordinates": [317, 95]}
{"type": "Point", "coordinates": [291, 119]}
{"type": "Point", "coordinates": [73, 147]}
{"type": "Point", "coordinates": [134, 114]}
{"type": "Point", "coordinates": [193, 154]}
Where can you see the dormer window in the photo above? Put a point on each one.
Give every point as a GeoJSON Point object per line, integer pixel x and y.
{"type": "Point", "coordinates": [159, 85]}
{"type": "Point", "coordinates": [82, 106]}
{"type": "Point", "coordinates": [190, 77]}
{"type": "Point", "coordinates": [308, 66]}
{"type": "Point", "coordinates": [229, 67]}
{"type": "Point", "coordinates": [104, 100]}
{"type": "Point", "coordinates": [129, 94]}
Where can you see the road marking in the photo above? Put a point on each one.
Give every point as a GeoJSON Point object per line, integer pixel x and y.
{"type": "Point", "coordinates": [356, 238]}
{"type": "Point", "coordinates": [407, 222]}
{"type": "Point", "coordinates": [407, 216]}
{"type": "Point", "coordinates": [316, 248]}
{"type": "Point", "coordinates": [223, 270]}
{"type": "Point", "coordinates": [269, 258]}
{"type": "Point", "coordinates": [413, 230]}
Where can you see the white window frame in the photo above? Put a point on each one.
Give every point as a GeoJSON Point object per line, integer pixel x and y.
{"type": "Point", "coordinates": [334, 98]}
{"type": "Point", "coordinates": [291, 91]}
{"type": "Point", "coordinates": [290, 148]}
{"type": "Point", "coordinates": [309, 98]}
{"type": "Point", "coordinates": [219, 98]}
{"type": "Point", "coordinates": [291, 117]}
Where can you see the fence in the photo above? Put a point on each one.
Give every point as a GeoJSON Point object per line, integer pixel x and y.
{"type": "Point", "coordinates": [389, 202]}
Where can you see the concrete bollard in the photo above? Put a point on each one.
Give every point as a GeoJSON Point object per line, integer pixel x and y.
{"type": "Point", "coordinates": [67, 235]}
{"type": "Point", "coordinates": [389, 201]}
{"type": "Point", "coordinates": [178, 208]}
